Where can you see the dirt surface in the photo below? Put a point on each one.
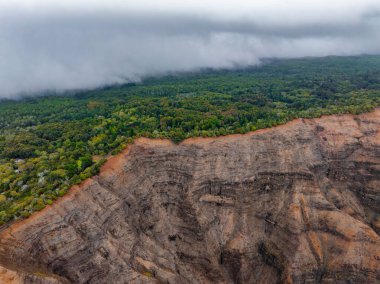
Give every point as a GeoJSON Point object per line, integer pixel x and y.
{"type": "Point", "coordinates": [297, 203]}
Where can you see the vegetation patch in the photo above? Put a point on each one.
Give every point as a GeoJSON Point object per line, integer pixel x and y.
{"type": "Point", "coordinates": [49, 144]}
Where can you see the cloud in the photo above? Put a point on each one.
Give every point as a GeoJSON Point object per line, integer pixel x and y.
{"type": "Point", "coordinates": [64, 45]}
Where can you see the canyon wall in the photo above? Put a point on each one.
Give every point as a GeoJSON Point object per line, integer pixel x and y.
{"type": "Point", "coordinates": [298, 203]}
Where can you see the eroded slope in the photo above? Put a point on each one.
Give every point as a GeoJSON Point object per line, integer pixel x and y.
{"type": "Point", "coordinates": [295, 203]}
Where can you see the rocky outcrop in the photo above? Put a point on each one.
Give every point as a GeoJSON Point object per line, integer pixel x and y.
{"type": "Point", "coordinates": [298, 203]}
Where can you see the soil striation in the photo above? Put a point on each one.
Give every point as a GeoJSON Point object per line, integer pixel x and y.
{"type": "Point", "coordinates": [298, 203]}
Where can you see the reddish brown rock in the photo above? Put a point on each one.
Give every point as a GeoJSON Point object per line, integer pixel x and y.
{"type": "Point", "coordinates": [298, 203]}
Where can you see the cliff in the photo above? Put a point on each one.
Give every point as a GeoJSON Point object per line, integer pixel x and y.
{"type": "Point", "coordinates": [296, 203]}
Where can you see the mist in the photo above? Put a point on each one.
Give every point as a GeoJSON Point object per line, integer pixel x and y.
{"type": "Point", "coordinates": [52, 46]}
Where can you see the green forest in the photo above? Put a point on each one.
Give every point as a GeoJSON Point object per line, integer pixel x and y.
{"type": "Point", "coordinates": [51, 142]}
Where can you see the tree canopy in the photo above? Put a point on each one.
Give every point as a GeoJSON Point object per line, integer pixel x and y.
{"type": "Point", "coordinates": [47, 144]}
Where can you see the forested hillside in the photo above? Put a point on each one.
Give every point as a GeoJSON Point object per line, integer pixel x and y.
{"type": "Point", "coordinates": [47, 144]}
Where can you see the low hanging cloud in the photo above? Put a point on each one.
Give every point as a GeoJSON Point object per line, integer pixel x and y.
{"type": "Point", "coordinates": [65, 45]}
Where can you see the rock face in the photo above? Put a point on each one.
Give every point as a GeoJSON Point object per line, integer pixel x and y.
{"type": "Point", "coordinates": [298, 203]}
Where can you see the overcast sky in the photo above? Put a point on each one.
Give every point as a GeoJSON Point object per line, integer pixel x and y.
{"type": "Point", "coordinates": [75, 44]}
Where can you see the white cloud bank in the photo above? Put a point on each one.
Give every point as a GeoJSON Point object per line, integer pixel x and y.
{"type": "Point", "coordinates": [74, 44]}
